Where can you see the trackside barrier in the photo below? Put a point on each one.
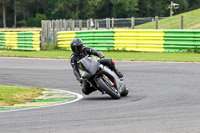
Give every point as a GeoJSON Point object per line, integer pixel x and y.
{"type": "Point", "coordinates": [99, 40]}
{"type": "Point", "coordinates": [20, 40]}
{"type": "Point", "coordinates": [19, 29]}
{"type": "Point", "coordinates": [139, 40]}
{"type": "Point", "coordinates": [134, 40]}
{"type": "Point", "coordinates": [181, 40]}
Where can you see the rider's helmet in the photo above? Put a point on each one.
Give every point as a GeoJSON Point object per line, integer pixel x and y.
{"type": "Point", "coordinates": [76, 45]}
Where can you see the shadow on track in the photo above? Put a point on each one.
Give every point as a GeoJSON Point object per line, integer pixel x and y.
{"type": "Point", "coordinates": [107, 98]}
{"type": "Point", "coordinates": [98, 98]}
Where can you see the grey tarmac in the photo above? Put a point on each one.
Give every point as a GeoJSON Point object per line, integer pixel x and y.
{"type": "Point", "coordinates": [164, 98]}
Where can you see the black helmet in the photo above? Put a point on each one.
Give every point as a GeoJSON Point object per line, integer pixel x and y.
{"type": "Point", "coordinates": [76, 45]}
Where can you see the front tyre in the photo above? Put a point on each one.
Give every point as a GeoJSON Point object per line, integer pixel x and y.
{"type": "Point", "coordinates": [124, 89]}
{"type": "Point", "coordinates": [105, 85]}
{"type": "Point", "coordinates": [125, 92]}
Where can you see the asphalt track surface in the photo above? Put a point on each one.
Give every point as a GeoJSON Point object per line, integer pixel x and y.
{"type": "Point", "coordinates": [164, 98]}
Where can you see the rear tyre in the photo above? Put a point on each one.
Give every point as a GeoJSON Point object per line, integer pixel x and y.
{"type": "Point", "coordinates": [108, 88]}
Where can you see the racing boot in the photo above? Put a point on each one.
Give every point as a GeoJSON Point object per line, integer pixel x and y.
{"type": "Point", "coordinates": [87, 89]}
{"type": "Point", "coordinates": [113, 67]}
{"type": "Point", "coordinates": [119, 74]}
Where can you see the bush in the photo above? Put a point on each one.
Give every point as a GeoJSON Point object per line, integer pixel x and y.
{"type": "Point", "coordinates": [194, 50]}
{"type": "Point", "coordinates": [21, 23]}
{"type": "Point", "coordinates": [36, 22]}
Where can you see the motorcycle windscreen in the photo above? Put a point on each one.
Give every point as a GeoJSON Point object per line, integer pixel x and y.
{"type": "Point", "coordinates": [89, 64]}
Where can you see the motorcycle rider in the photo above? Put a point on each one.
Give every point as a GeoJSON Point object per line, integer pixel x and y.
{"type": "Point", "coordinates": [79, 52]}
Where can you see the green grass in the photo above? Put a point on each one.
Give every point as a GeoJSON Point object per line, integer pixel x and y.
{"type": "Point", "coordinates": [37, 54]}
{"type": "Point", "coordinates": [10, 95]}
{"type": "Point", "coordinates": [116, 55]}
{"type": "Point", "coordinates": [140, 56]}
{"type": "Point", "coordinates": [191, 21]}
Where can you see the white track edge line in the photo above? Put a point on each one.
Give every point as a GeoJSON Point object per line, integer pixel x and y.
{"type": "Point", "coordinates": [79, 97]}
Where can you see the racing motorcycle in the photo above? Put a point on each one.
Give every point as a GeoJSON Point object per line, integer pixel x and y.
{"type": "Point", "coordinates": [102, 78]}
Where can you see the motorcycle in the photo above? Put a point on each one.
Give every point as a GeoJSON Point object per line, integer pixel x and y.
{"type": "Point", "coordinates": [102, 78]}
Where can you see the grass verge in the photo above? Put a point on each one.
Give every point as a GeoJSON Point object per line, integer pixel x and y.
{"type": "Point", "coordinates": [10, 95]}
{"type": "Point", "coordinates": [191, 21]}
{"type": "Point", "coordinates": [116, 55]}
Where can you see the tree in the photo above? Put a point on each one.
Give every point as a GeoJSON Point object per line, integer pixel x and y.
{"type": "Point", "coordinates": [20, 12]}
{"type": "Point", "coordinates": [116, 8]}
{"type": "Point", "coordinates": [94, 8]}
{"type": "Point", "coordinates": [4, 14]}
{"type": "Point", "coordinates": [64, 9]}
{"type": "Point", "coordinates": [193, 4]}
{"type": "Point", "coordinates": [36, 22]}
{"type": "Point", "coordinates": [40, 6]}
{"type": "Point", "coordinates": [4, 6]}
{"type": "Point", "coordinates": [15, 7]}
{"type": "Point", "coordinates": [183, 6]}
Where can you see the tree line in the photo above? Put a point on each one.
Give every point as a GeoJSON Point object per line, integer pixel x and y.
{"type": "Point", "coordinates": [29, 13]}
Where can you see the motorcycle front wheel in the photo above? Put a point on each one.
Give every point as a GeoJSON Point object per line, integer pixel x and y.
{"type": "Point", "coordinates": [108, 88]}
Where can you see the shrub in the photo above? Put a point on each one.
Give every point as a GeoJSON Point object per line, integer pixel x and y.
{"type": "Point", "coordinates": [36, 22]}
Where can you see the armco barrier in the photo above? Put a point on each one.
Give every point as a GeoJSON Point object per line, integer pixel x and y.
{"type": "Point", "coordinates": [181, 40]}
{"type": "Point", "coordinates": [99, 40]}
{"type": "Point", "coordinates": [134, 40]}
{"type": "Point", "coordinates": [139, 40]}
{"type": "Point", "coordinates": [20, 40]}
{"type": "Point", "coordinates": [19, 29]}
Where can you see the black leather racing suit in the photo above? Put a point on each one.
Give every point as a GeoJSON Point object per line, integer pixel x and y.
{"type": "Point", "coordinates": [86, 89]}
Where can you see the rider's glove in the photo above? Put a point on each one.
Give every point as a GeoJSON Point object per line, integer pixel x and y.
{"type": "Point", "coordinates": [80, 80]}
{"type": "Point", "coordinates": [102, 57]}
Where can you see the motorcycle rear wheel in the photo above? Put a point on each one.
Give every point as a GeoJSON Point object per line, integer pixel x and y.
{"type": "Point", "coordinates": [107, 88]}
